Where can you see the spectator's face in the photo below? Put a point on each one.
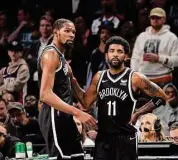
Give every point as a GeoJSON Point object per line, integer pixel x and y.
{"type": "Point", "coordinates": [3, 20]}
{"type": "Point", "coordinates": [79, 24]}
{"type": "Point", "coordinates": [45, 28]}
{"type": "Point", "coordinates": [147, 122]}
{"type": "Point", "coordinates": [21, 16]}
{"type": "Point", "coordinates": [78, 124]}
{"type": "Point", "coordinates": [105, 35]}
{"type": "Point", "coordinates": [115, 56]}
{"type": "Point", "coordinates": [157, 22]}
{"type": "Point", "coordinates": [8, 97]}
{"type": "Point", "coordinates": [14, 55]}
{"type": "Point", "coordinates": [66, 34]}
{"type": "Point", "coordinates": [16, 116]}
{"type": "Point", "coordinates": [174, 135]}
{"type": "Point", "coordinates": [170, 91]}
{"type": "Point", "coordinates": [3, 110]}
{"type": "Point", "coordinates": [30, 101]}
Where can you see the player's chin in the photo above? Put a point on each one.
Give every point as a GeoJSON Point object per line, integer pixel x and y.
{"type": "Point", "coordinates": [70, 44]}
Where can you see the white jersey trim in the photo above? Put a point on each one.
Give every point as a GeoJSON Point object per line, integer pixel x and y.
{"type": "Point", "coordinates": [56, 140]}
{"type": "Point", "coordinates": [99, 82]}
{"type": "Point", "coordinates": [118, 78]}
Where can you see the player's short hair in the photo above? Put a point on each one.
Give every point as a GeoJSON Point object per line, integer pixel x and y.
{"type": "Point", "coordinates": [59, 23]}
{"type": "Point", "coordinates": [117, 40]}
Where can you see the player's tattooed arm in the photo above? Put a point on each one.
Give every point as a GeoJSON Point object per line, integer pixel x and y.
{"type": "Point", "coordinates": [141, 82]}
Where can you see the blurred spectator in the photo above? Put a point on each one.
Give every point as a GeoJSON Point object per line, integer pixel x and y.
{"type": "Point", "coordinates": [14, 77]}
{"type": "Point", "coordinates": [151, 128]}
{"type": "Point", "coordinates": [106, 30]}
{"type": "Point", "coordinates": [4, 33]}
{"type": "Point", "coordinates": [155, 51]}
{"type": "Point", "coordinates": [26, 129]}
{"type": "Point", "coordinates": [143, 8]}
{"type": "Point", "coordinates": [4, 116]}
{"type": "Point", "coordinates": [158, 3]}
{"type": "Point", "coordinates": [168, 113]}
{"type": "Point", "coordinates": [128, 32]}
{"type": "Point", "coordinates": [81, 50]}
{"type": "Point", "coordinates": [4, 28]}
{"type": "Point", "coordinates": [108, 13]}
{"type": "Point", "coordinates": [45, 29]}
{"type": "Point", "coordinates": [8, 97]}
{"type": "Point", "coordinates": [31, 107]}
{"type": "Point", "coordinates": [26, 31]}
{"type": "Point", "coordinates": [174, 132]}
{"type": "Point", "coordinates": [84, 138]}
{"type": "Point", "coordinates": [7, 144]}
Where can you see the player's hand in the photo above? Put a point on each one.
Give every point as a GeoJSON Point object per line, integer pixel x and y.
{"type": "Point", "coordinates": [86, 119]}
{"type": "Point", "coordinates": [134, 118]}
{"type": "Point", "coordinates": [92, 134]}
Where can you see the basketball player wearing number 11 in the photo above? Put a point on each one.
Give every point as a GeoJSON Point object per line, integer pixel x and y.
{"type": "Point", "coordinates": [115, 91]}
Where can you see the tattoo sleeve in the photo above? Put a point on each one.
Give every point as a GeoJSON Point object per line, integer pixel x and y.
{"type": "Point", "coordinates": [151, 89]}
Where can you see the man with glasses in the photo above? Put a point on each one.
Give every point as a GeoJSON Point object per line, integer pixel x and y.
{"type": "Point", "coordinates": [174, 132]}
{"type": "Point", "coordinates": [155, 52]}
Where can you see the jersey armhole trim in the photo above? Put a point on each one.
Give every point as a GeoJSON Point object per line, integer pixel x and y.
{"type": "Point", "coordinates": [99, 82]}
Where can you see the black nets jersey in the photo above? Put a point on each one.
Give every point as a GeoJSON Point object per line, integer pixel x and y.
{"type": "Point", "coordinates": [58, 128]}
{"type": "Point", "coordinates": [116, 102]}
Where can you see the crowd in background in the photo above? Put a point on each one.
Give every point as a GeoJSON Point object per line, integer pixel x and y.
{"type": "Point", "coordinates": [27, 28]}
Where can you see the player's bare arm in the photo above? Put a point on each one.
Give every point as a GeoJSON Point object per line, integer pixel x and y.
{"type": "Point", "coordinates": [91, 92]}
{"type": "Point", "coordinates": [49, 63]}
{"type": "Point", "coordinates": [141, 82]}
{"type": "Point", "coordinates": [79, 93]}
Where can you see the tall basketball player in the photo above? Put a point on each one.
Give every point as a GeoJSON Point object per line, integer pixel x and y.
{"type": "Point", "coordinates": [56, 83]}
{"type": "Point", "coordinates": [115, 90]}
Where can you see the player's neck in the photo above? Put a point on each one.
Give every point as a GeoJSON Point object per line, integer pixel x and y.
{"type": "Point", "coordinates": [59, 46]}
{"type": "Point", "coordinates": [117, 71]}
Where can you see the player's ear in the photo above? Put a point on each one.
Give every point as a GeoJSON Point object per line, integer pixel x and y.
{"type": "Point", "coordinates": [126, 57]}
{"type": "Point", "coordinates": [106, 57]}
{"type": "Point", "coordinates": [54, 31]}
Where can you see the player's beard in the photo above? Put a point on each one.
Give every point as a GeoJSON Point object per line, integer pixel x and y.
{"type": "Point", "coordinates": [115, 65]}
{"type": "Point", "coordinates": [69, 44]}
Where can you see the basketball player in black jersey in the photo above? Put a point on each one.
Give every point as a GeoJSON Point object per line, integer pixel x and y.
{"type": "Point", "coordinates": [56, 83]}
{"type": "Point", "coordinates": [115, 91]}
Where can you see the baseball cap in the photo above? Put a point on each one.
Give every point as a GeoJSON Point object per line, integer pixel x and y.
{"type": "Point", "coordinates": [15, 105]}
{"type": "Point", "coordinates": [158, 12]}
{"type": "Point", "coordinates": [15, 46]}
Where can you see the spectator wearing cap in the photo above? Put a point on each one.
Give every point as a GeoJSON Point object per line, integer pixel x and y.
{"type": "Point", "coordinates": [155, 52]}
{"type": "Point", "coordinates": [14, 77]}
{"type": "Point", "coordinates": [26, 129]}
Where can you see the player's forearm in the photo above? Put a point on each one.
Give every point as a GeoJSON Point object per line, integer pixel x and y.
{"type": "Point", "coordinates": [54, 101]}
{"type": "Point", "coordinates": [147, 108]}
{"type": "Point", "coordinates": [79, 93]}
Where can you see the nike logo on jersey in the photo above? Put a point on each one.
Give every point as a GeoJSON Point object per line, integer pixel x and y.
{"type": "Point", "coordinates": [123, 80]}
{"type": "Point", "coordinates": [131, 138]}
{"type": "Point", "coordinates": [103, 81]}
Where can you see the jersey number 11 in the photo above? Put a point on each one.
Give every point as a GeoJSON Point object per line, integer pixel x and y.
{"type": "Point", "coordinates": [111, 108]}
